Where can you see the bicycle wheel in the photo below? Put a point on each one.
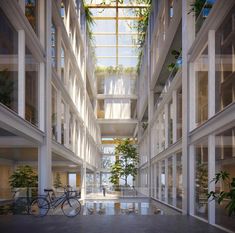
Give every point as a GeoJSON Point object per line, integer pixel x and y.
{"type": "Point", "coordinates": [39, 207]}
{"type": "Point", "coordinates": [71, 207]}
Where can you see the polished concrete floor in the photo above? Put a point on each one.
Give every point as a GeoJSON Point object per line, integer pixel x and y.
{"type": "Point", "coordinates": [104, 224]}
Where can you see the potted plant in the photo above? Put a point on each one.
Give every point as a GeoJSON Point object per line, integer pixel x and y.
{"type": "Point", "coordinates": [21, 181]}
{"type": "Point", "coordinates": [228, 195]}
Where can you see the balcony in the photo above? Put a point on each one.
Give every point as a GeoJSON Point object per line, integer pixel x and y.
{"type": "Point", "coordinates": [169, 81]}
{"type": "Point", "coordinates": [201, 13]}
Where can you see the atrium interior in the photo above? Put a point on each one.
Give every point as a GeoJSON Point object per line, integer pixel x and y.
{"type": "Point", "coordinates": [80, 77]}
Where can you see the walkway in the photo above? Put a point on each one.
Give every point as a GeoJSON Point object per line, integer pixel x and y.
{"type": "Point", "coordinates": [105, 224]}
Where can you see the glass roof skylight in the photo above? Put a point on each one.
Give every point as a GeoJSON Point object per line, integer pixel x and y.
{"type": "Point", "coordinates": [115, 31]}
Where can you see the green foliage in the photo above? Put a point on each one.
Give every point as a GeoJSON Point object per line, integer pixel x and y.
{"type": "Point", "coordinates": [197, 6]}
{"type": "Point", "coordinates": [57, 182]}
{"type": "Point", "coordinates": [115, 70]}
{"type": "Point", "coordinates": [229, 195]}
{"type": "Point", "coordinates": [24, 176]}
{"type": "Point", "coordinates": [126, 161]}
{"type": "Point", "coordinates": [6, 88]}
{"type": "Point", "coordinates": [89, 19]}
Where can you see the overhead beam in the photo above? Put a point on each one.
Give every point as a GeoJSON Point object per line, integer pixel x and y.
{"type": "Point", "coordinates": [118, 18]}
{"type": "Point", "coordinates": [121, 46]}
{"type": "Point", "coordinates": [119, 6]}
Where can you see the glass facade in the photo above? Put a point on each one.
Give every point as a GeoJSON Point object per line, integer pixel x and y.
{"type": "Point", "coordinates": [53, 45]}
{"type": "Point", "coordinates": [170, 181]}
{"type": "Point", "coordinates": [201, 180]}
{"type": "Point", "coordinates": [31, 87]}
{"type": "Point", "coordinates": [225, 67]}
{"type": "Point", "coordinates": [201, 78]}
{"type": "Point", "coordinates": [179, 181]}
{"type": "Point", "coordinates": [224, 161]}
{"type": "Point", "coordinates": [8, 64]}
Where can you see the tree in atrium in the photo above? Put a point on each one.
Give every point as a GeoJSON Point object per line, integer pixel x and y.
{"type": "Point", "coordinates": [126, 162]}
{"type": "Point", "coordinates": [57, 182]}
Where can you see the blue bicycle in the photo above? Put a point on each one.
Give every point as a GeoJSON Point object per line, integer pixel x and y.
{"type": "Point", "coordinates": [70, 205]}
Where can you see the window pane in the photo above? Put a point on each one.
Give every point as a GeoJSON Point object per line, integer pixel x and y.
{"type": "Point", "coordinates": [201, 180]}
{"type": "Point", "coordinates": [225, 64]}
{"type": "Point", "coordinates": [224, 161]}
{"type": "Point", "coordinates": [201, 76]}
{"type": "Point", "coordinates": [8, 64]}
{"type": "Point", "coordinates": [31, 88]}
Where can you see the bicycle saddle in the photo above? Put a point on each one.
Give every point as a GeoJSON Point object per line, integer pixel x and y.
{"type": "Point", "coordinates": [48, 190]}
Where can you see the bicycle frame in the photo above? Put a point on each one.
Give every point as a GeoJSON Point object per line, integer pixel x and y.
{"type": "Point", "coordinates": [57, 201]}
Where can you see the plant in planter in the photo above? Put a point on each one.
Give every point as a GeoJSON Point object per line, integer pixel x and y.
{"type": "Point", "coordinates": [23, 178]}
{"type": "Point", "coordinates": [229, 195]}
{"type": "Point", "coordinates": [178, 59]}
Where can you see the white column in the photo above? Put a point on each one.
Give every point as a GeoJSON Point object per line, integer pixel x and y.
{"type": "Point", "coordinates": [21, 73]}
{"type": "Point", "coordinates": [211, 175]}
{"type": "Point", "coordinates": [152, 180]}
{"type": "Point", "coordinates": [59, 112]}
{"type": "Point", "coordinates": [192, 97]}
{"type": "Point", "coordinates": [83, 181]}
{"type": "Point", "coordinates": [188, 35]}
{"type": "Point", "coordinates": [41, 25]}
{"type": "Point", "coordinates": [166, 180]}
{"type": "Point", "coordinates": [155, 181]}
{"type": "Point", "coordinates": [174, 174]}
{"type": "Point", "coordinates": [66, 128]}
{"type": "Point", "coordinates": [192, 179]}
{"type": "Point", "coordinates": [159, 181]}
{"type": "Point", "coordinates": [58, 49]}
{"type": "Point", "coordinates": [166, 124]}
{"type": "Point", "coordinates": [211, 73]}
{"type": "Point", "coordinates": [41, 97]}
{"type": "Point", "coordinates": [174, 104]}
{"type": "Point", "coordinates": [44, 151]}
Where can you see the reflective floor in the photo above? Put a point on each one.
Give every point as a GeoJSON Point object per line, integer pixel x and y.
{"type": "Point", "coordinates": [122, 207]}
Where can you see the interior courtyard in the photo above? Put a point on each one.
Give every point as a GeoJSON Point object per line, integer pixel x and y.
{"type": "Point", "coordinates": [79, 77]}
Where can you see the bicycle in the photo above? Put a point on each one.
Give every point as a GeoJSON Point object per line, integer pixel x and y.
{"type": "Point", "coordinates": [70, 205]}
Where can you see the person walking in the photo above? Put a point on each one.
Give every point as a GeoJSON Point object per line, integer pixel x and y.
{"type": "Point", "coordinates": [103, 189]}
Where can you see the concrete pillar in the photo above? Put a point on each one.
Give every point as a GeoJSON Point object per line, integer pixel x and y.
{"type": "Point", "coordinates": [59, 112]}
{"type": "Point", "coordinates": [21, 73]}
{"type": "Point", "coordinates": [166, 180]}
{"type": "Point", "coordinates": [44, 151]}
{"type": "Point", "coordinates": [211, 175]}
{"type": "Point", "coordinates": [166, 124]}
{"type": "Point", "coordinates": [188, 35]}
{"type": "Point", "coordinates": [174, 174]}
{"type": "Point", "coordinates": [159, 181]}
{"type": "Point", "coordinates": [83, 181]}
{"type": "Point", "coordinates": [192, 179]}
{"type": "Point", "coordinates": [175, 120]}
{"type": "Point", "coordinates": [211, 74]}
